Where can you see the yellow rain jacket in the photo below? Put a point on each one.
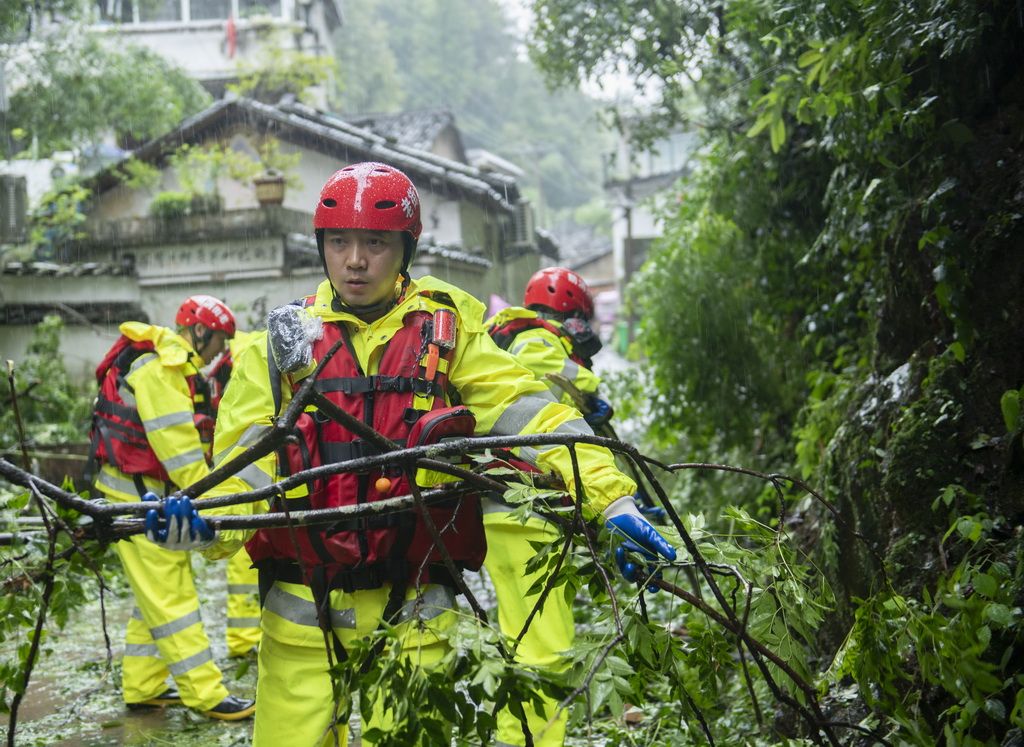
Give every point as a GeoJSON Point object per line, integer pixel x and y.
{"type": "Point", "coordinates": [504, 397]}
{"type": "Point", "coordinates": [158, 387]}
{"type": "Point", "coordinates": [544, 352]}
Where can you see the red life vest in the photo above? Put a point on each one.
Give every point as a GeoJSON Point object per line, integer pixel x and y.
{"type": "Point", "coordinates": [404, 401]}
{"type": "Point", "coordinates": [504, 334]}
{"type": "Point", "coordinates": [117, 435]}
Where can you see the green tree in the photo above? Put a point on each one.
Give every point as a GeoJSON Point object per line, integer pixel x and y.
{"type": "Point", "coordinates": [74, 89]}
{"type": "Point", "coordinates": [834, 292]}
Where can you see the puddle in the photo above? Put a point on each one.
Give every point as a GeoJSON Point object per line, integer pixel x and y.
{"type": "Point", "coordinates": [74, 700]}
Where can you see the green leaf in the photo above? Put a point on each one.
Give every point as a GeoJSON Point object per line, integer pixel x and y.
{"type": "Point", "coordinates": [871, 187]}
{"type": "Point", "coordinates": [985, 585]}
{"type": "Point", "coordinates": [809, 58]}
{"type": "Point", "coordinates": [762, 122]}
{"type": "Point", "coordinates": [778, 133]}
{"type": "Point", "coordinates": [1009, 403]}
{"type": "Point", "coordinates": [1000, 614]}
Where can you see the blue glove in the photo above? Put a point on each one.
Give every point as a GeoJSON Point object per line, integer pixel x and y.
{"type": "Point", "coordinates": [179, 527]}
{"type": "Point", "coordinates": [600, 411]}
{"type": "Point", "coordinates": [639, 537]}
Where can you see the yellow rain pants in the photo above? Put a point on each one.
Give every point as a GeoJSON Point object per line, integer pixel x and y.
{"type": "Point", "coordinates": [243, 628]}
{"type": "Point", "coordinates": [551, 630]}
{"type": "Point", "coordinates": [294, 688]}
{"type": "Point", "coordinates": [165, 634]}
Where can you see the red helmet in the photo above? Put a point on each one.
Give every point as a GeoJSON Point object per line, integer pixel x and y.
{"type": "Point", "coordinates": [371, 196]}
{"type": "Point", "coordinates": [208, 311]}
{"type": "Point", "coordinates": [561, 290]}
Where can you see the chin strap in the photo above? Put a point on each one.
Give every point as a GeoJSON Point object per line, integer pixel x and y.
{"type": "Point", "coordinates": [374, 308]}
{"type": "Point", "coordinates": [199, 345]}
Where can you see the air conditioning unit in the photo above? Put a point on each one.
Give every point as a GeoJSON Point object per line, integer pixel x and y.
{"type": "Point", "coordinates": [523, 230]}
{"type": "Point", "coordinates": [13, 209]}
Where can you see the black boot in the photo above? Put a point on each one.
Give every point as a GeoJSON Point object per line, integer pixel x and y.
{"type": "Point", "coordinates": [232, 709]}
{"type": "Point", "coordinates": [167, 697]}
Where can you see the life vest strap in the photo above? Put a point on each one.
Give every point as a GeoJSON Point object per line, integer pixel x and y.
{"type": "Point", "coordinates": [378, 383]}
{"type": "Point", "coordinates": [332, 452]}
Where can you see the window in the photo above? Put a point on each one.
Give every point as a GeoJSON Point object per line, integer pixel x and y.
{"type": "Point", "coordinates": [203, 10]}
{"type": "Point", "coordinates": [250, 8]}
{"type": "Point", "coordinates": [159, 10]}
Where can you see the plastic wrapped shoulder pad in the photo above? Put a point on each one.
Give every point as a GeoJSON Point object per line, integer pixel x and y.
{"type": "Point", "coordinates": [292, 330]}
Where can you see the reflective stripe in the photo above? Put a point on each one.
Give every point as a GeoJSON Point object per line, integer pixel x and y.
{"type": "Point", "coordinates": [165, 421]}
{"type": "Point", "coordinates": [249, 435]}
{"type": "Point", "coordinates": [175, 626]}
{"type": "Point", "coordinates": [529, 455]}
{"type": "Point", "coordinates": [577, 427]}
{"type": "Point", "coordinates": [434, 602]}
{"type": "Point", "coordinates": [136, 613]}
{"type": "Point", "coordinates": [520, 413]}
{"type": "Point", "coordinates": [183, 460]}
{"type": "Point", "coordinates": [128, 398]}
{"type": "Point", "coordinates": [491, 505]}
{"type": "Point", "coordinates": [141, 649]}
{"type": "Point", "coordinates": [243, 622]}
{"type": "Point", "coordinates": [142, 360]}
{"type": "Point", "coordinates": [122, 485]}
{"type": "Point", "coordinates": [571, 369]}
{"type": "Point", "coordinates": [253, 476]}
{"type": "Point", "coordinates": [302, 611]}
{"type": "Point", "coordinates": [516, 349]}
{"type": "Point", "coordinates": [243, 588]}
{"type": "Point", "coordinates": [179, 668]}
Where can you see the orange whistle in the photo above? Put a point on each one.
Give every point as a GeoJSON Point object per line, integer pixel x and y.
{"type": "Point", "coordinates": [432, 357]}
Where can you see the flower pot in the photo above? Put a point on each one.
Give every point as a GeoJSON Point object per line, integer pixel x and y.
{"type": "Point", "coordinates": [269, 189]}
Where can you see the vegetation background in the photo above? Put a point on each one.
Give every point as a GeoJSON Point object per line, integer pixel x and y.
{"type": "Point", "coordinates": [838, 297]}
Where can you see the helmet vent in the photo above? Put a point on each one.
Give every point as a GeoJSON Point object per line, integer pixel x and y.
{"type": "Point", "coordinates": [330, 203]}
{"type": "Point", "coordinates": [385, 204]}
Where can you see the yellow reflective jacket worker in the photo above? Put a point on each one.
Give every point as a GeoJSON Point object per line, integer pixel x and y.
{"type": "Point", "coordinates": [504, 397]}
{"type": "Point", "coordinates": [165, 634]}
{"type": "Point", "coordinates": [544, 351]}
{"type": "Point", "coordinates": [158, 384]}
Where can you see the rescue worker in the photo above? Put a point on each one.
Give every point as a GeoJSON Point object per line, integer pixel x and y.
{"type": "Point", "coordinates": [551, 334]}
{"type": "Point", "coordinates": [152, 406]}
{"type": "Point", "coordinates": [408, 350]}
{"type": "Point", "coordinates": [242, 633]}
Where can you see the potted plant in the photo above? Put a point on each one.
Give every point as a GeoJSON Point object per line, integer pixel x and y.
{"type": "Point", "coordinates": [271, 183]}
{"type": "Point", "coordinates": [270, 186]}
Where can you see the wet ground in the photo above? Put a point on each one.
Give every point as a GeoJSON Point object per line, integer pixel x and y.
{"type": "Point", "coordinates": [74, 698]}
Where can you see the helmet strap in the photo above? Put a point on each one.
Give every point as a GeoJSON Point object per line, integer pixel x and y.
{"type": "Point", "coordinates": [199, 344]}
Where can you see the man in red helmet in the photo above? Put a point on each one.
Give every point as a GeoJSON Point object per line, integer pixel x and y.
{"type": "Point", "coordinates": [406, 350]}
{"type": "Point", "coordinates": [147, 434]}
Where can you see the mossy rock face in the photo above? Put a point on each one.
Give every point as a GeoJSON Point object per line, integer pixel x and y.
{"type": "Point", "coordinates": [853, 472]}
{"type": "Point", "coordinates": [924, 449]}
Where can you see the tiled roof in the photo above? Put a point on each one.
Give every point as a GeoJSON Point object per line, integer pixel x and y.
{"type": "Point", "coordinates": [99, 312]}
{"type": "Point", "coordinates": [75, 269]}
{"type": "Point", "coordinates": [332, 135]}
{"type": "Point", "coordinates": [417, 129]}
